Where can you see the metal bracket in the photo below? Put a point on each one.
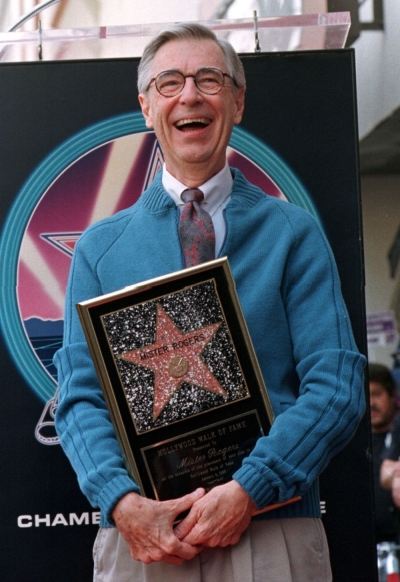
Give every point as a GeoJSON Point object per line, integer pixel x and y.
{"type": "Point", "coordinates": [257, 48]}
{"type": "Point", "coordinates": [34, 12]}
{"type": "Point", "coordinates": [40, 45]}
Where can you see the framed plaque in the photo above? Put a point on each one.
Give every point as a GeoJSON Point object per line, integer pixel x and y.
{"type": "Point", "coordinates": [180, 378]}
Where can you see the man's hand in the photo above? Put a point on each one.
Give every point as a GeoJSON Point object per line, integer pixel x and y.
{"type": "Point", "coordinates": [396, 486]}
{"type": "Point", "coordinates": [386, 473]}
{"type": "Point", "coordinates": [219, 518]}
{"type": "Point", "coordinates": [390, 479]}
{"type": "Point", "coordinates": [147, 527]}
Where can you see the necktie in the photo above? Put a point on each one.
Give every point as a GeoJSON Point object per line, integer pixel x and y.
{"type": "Point", "coordinates": [196, 229]}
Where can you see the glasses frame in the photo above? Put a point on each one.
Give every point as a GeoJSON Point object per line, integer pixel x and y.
{"type": "Point", "coordinates": [194, 77]}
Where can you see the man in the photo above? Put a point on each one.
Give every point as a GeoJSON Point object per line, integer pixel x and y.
{"type": "Point", "coordinates": [191, 90]}
{"type": "Point", "coordinates": [390, 453]}
{"type": "Point", "coordinates": [383, 411]}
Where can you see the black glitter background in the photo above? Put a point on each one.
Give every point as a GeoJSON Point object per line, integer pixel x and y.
{"type": "Point", "coordinates": [135, 327]}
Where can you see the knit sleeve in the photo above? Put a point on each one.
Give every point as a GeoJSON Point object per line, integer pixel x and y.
{"type": "Point", "coordinates": [327, 379]}
{"type": "Point", "coordinates": [82, 420]}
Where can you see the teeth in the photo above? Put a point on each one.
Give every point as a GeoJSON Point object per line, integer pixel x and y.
{"type": "Point", "coordinates": [186, 121]}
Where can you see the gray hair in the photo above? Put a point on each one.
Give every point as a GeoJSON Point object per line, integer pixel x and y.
{"type": "Point", "coordinates": [188, 31]}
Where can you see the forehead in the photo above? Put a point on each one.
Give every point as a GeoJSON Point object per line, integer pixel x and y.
{"type": "Point", "coordinates": [188, 56]}
{"type": "Point", "coordinates": [376, 389]}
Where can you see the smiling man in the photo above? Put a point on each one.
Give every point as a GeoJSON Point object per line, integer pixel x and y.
{"type": "Point", "coordinates": [193, 127]}
{"type": "Point", "coordinates": [191, 90]}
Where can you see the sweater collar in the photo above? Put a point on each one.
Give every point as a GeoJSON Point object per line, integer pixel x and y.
{"type": "Point", "coordinates": [244, 194]}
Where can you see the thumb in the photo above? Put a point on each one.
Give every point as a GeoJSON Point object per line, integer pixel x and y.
{"type": "Point", "coordinates": [186, 525]}
{"type": "Point", "coordinates": [181, 506]}
{"type": "Point", "coordinates": [186, 502]}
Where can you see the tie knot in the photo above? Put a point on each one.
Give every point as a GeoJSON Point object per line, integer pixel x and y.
{"type": "Point", "coordinates": [192, 195]}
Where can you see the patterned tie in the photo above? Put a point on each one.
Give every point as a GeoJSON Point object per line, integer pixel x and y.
{"type": "Point", "coordinates": [196, 229]}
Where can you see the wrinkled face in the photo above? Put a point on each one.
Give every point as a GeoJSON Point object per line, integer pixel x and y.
{"type": "Point", "coordinates": [193, 128]}
{"type": "Point", "coordinates": [383, 407]}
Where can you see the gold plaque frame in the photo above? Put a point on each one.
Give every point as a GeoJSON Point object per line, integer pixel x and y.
{"type": "Point", "coordinates": [180, 377]}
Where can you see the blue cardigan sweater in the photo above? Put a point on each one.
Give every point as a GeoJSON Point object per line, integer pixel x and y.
{"type": "Point", "coordinates": [289, 290]}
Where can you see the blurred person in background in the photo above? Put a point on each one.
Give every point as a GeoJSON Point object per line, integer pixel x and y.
{"type": "Point", "coordinates": [383, 410]}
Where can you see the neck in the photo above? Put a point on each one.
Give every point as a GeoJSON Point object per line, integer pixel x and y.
{"type": "Point", "coordinates": [193, 177]}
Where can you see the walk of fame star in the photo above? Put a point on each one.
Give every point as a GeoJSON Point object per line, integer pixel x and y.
{"type": "Point", "coordinates": [175, 358]}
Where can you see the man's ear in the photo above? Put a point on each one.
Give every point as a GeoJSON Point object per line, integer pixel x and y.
{"type": "Point", "coordinates": [239, 102]}
{"type": "Point", "coordinates": [146, 109]}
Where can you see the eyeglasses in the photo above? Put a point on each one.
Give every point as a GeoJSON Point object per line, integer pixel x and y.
{"type": "Point", "coordinates": [208, 80]}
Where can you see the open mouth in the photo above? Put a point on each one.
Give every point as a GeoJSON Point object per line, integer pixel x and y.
{"type": "Point", "coordinates": [192, 124]}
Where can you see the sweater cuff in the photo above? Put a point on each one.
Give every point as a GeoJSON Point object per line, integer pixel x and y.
{"type": "Point", "coordinates": [255, 486]}
{"type": "Point", "coordinates": [112, 493]}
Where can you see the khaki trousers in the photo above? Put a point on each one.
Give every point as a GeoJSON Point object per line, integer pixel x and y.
{"type": "Point", "coordinates": [286, 550]}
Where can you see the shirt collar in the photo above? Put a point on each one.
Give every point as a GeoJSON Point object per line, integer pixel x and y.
{"type": "Point", "coordinates": [216, 190]}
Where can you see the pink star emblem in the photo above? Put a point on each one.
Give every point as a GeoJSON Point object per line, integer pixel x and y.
{"type": "Point", "coordinates": [175, 358]}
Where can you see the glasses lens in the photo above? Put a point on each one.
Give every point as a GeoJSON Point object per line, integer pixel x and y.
{"type": "Point", "coordinates": [169, 83]}
{"type": "Point", "coordinates": [209, 80]}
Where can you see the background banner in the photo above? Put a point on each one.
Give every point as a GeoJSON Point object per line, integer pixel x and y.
{"type": "Point", "coordinates": [74, 148]}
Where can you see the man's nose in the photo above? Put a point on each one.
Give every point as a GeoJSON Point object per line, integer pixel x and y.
{"type": "Point", "coordinates": [190, 91]}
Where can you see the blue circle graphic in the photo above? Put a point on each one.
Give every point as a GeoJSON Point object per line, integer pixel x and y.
{"type": "Point", "coordinates": [44, 175]}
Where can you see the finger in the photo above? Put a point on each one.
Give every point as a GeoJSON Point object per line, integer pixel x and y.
{"type": "Point", "coordinates": [186, 502]}
{"type": "Point", "coordinates": [158, 556]}
{"type": "Point", "coordinates": [185, 526]}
